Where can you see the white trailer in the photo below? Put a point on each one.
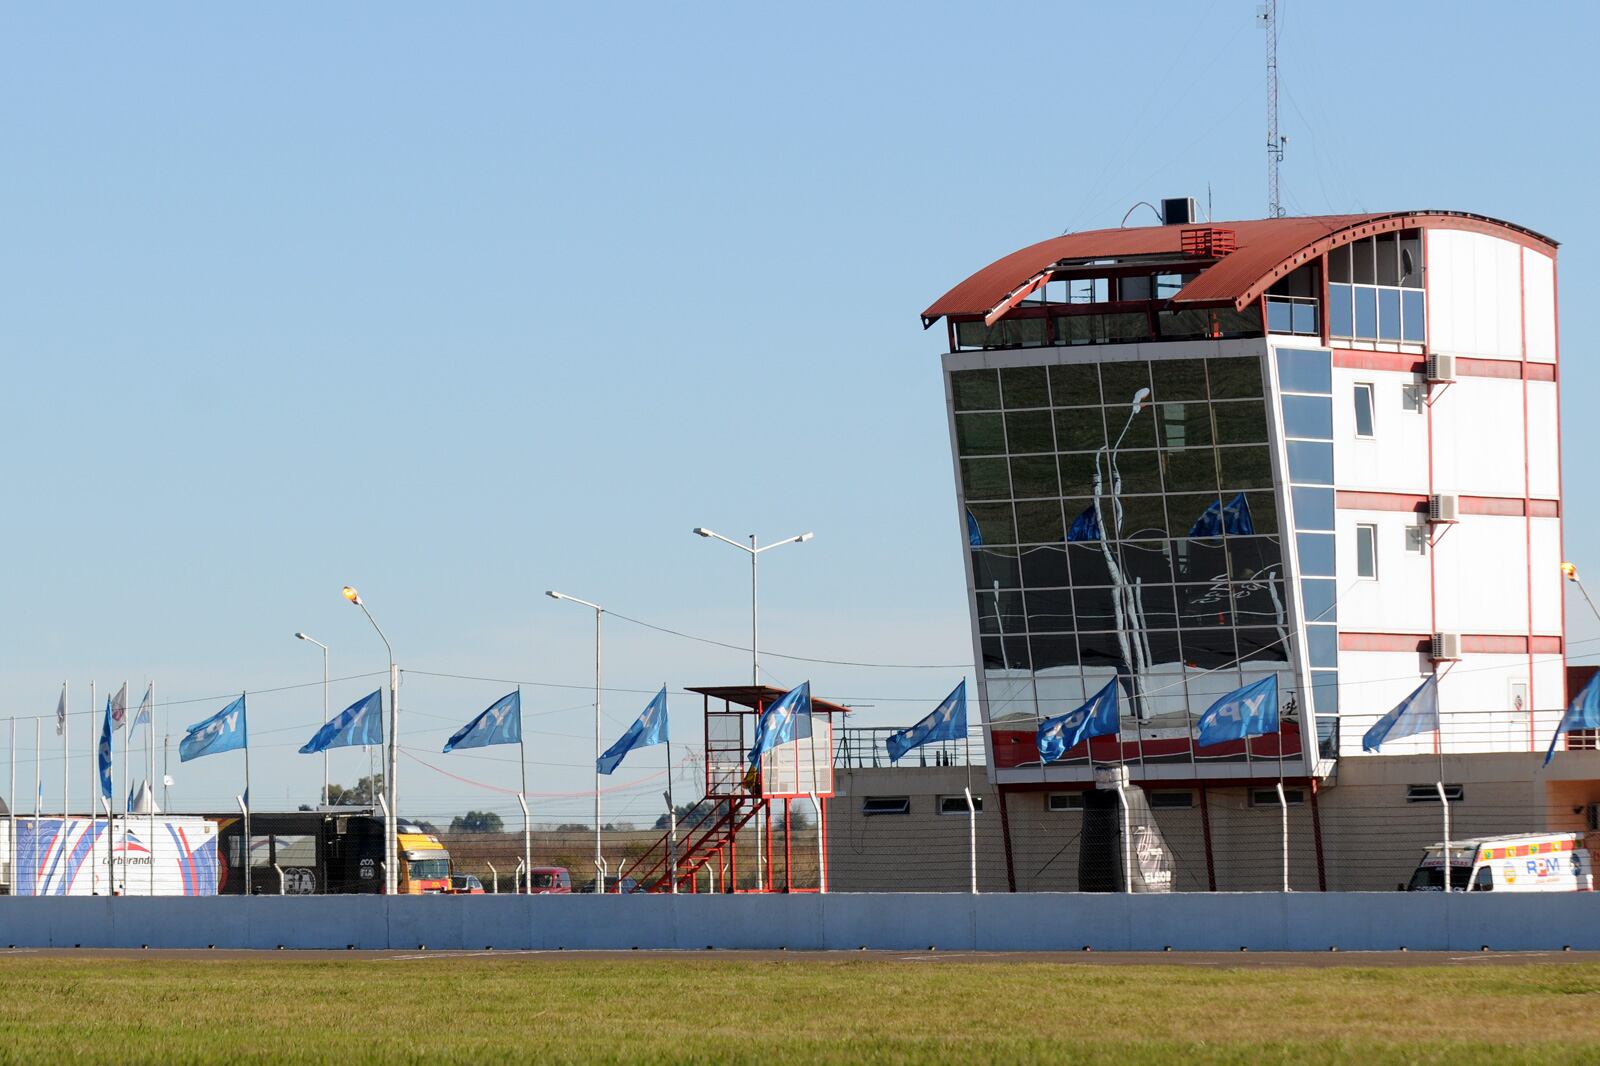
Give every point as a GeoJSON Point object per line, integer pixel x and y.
{"type": "Point", "coordinates": [80, 858]}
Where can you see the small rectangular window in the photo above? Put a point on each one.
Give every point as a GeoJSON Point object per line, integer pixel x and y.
{"type": "Point", "coordinates": [886, 805]}
{"type": "Point", "coordinates": [1268, 797]}
{"type": "Point", "coordinates": [1363, 398]}
{"type": "Point", "coordinates": [958, 804]}
{"type": "Point", "coordinates": [1429, 793]}
{"type": "Point", "coordinates": [1065, 801]}
{"type": "Point", "coordinates": [1417, 539]}
{"type": "Point", "coordinates": [1171, 800]}
{"type": "Point", "coordinates": [1367, 551]}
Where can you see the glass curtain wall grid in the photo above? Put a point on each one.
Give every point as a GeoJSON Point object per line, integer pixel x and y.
{"type": "Point", "coordinates": [1305, 397]}
{"type": "Point", "coordinates": [1112, 543]}
{"type": "Point", "coordinates": [1375, 290]}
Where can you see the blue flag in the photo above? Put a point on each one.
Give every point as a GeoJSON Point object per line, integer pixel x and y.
{"type": "Point", "coordinates": [358, 724]}
{"type": "Point", "coordinates": [789, 718]}
{"type": "Point", "coordinates": [947, 722]}
{"type": "Point", "coordinates": [1417, 713]}
{"type": "Point", "coordinates": [105, 753]}
{"type": "Point", "coordinates": [1582, 713]}
{"type": "Point", "coordinates": [974, 534]}
{"type": "Point", "coordinates": [500, 723]}
{"type": "Point", "coordinates": [1097, 718]}
{"type": "Point", "coordinates": [1245, 712]}
{"type": "Point", "coordinates": [649, 728]}
{"type": "Point", "coordinates": [223, 731]}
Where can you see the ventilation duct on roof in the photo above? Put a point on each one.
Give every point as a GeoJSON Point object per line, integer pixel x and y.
{"type": "Point", "coordinates": [1179, 211]}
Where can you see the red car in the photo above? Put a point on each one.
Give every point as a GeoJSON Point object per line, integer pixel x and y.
{"type": "Point", "coordinates": [549, 880]}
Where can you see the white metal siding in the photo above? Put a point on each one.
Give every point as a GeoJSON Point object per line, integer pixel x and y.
{"type": "Point", "coordinates": [1475, 294]}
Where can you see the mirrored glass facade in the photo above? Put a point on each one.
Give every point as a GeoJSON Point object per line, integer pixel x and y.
{"type": "Point", "coordinates": [1142, 544]}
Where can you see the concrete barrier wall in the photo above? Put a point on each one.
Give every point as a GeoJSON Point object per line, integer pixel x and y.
{"type": "Point", "coordinates": [910, 921]}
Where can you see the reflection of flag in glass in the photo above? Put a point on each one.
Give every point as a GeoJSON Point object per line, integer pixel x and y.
{"type": "Point", "coordinates": [1232, 519]}
{"type": "Point", "coordinates": [1086, 526]}
{"type": "Point", "coordinates": [974, 534]}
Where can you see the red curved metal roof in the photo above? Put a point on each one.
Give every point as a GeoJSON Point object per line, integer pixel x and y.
{"type": "Point", "coordinates": [1268, 248]}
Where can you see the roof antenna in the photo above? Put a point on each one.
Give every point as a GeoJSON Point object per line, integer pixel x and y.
{"type": "Point", "coordinates": [1267, 16]}
{"type": "Point", "coordinates": [1208, 203]}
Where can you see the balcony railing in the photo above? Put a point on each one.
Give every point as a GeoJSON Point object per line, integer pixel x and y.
{"type": "Point", "coordinates": [1293, 314]}
{"type": "Point", "coordinates": [864, 748]}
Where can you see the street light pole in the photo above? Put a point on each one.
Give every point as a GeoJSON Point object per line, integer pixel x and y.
{"type": "Point", "coordinates": [599, 861]}
{"type": "Point", "coordinates": [391, 870]}
{"type": "Point", "coordinates": [755, 551]}
{"type": "Point", "coordinates": [327, 800]}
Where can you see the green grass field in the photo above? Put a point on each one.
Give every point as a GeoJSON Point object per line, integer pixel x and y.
{"type": "Point", "coordinates": [554, 1009]}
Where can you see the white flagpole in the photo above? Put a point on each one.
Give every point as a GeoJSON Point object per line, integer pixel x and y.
{"type": "Point", "coordinates": [128, 736]}
{"type": "Point", "coordinates": [522, 798]}
{"type": "Point", "coordinates": [244, 713]}
{"type": "Point", "coordinates": [38, 770]}
{"type": "Point", "coordinates": [972, 817]}
{"type": "Point", "coordinates": [12, 807]}
{"type": "Point", "coordinates": [93, 779]}
{"type": "Point", "coordinates": [66, 762]}
{"type": "Point", "coordinates": [150, 785]}
{"type": "Point", "coordinates": [1283, 800]}
{"type": "Point", "coordinates": [672, 819]}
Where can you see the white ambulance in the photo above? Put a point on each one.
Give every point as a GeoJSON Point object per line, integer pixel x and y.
{"type": "Point", "coordinates": [1541, 862]}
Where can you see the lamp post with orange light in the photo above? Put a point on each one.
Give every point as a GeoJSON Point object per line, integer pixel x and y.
{"type": "Point", "coordinates": [391, 814]}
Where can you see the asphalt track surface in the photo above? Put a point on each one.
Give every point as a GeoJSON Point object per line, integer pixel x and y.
{"type": "Point", "coordinates": [1203, 959]}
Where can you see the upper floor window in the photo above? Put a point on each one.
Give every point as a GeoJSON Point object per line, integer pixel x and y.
{"type": "Point", "coordinates": [1363, 398]}
{"type": "Point", "coordinates": [1375, 289]}
{"type": "Point", "coordinates": [1366, 551]}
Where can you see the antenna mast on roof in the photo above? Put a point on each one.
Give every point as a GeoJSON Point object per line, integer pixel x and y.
{"type": "Point", "coordinates": [1267, 15]}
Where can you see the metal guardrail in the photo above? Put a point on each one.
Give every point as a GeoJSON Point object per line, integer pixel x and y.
{"type": "Point", "coordinates": [865, 748]}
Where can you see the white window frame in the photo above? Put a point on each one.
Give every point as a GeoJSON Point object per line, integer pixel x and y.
{"type": "Point", "coordinates": [1064, 802]}
{"type": "Point", "coordinates": [1372, 409]}
{"type": "Point", "coordinates": [1372, 529]}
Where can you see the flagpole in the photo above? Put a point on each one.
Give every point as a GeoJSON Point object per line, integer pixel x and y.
{"type": "Point", "coordinates": [11, 807]}
{"type": "Point", "coordinates": [527, 823]}
{"type": "Point", "coordinates": [1283, 800]}
{"type": "Point", "coordinates": [972, 811]}
{"type": "Point", "coordinates": [66, 763]}
{"type": "Point", "coordinates": [127, 746]}
{"type": "Point", "coordinates": [1444, 799]}
{"type": "Point", "coordinates": [94, 873]}
{"type": "Point", "coordinates": [150, 785]}
{"type": "Point", "coordinates": [672, 815]}
{"type": "Point", "coordinates": [244, 713]}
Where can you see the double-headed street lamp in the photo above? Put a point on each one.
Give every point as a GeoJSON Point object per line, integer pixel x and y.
{"type": "Point", "coordinates": [755, 553]}
{"type": "Point", "coordinates": [327, 800]}
{"type": "Point", "coordinates": [599, 862]}
{"type": "Point", "coordinates": [391, 871]}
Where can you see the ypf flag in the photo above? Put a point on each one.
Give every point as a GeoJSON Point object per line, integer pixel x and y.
{"type": "Point", "coordinates": [1417, 713]}
{"type": "Point", "coordinates": [500, 723]}
{"type": "Point", "coordinates": [105, 753]}
{"type": "Point", "coordinates": [223, 731]}
{"type": "Point", "coordinates": [119, 707]}
{"type": "Point", "coordinates": [649, 728]}
{"type": "Point", "coordinates": [1097, 718]}
{"type": "Point", "coordinates": [142, 716]}
{"type": "Point", "coordinates": [1583, 713]}
{"type": "Point", "coordinates": [789, 718]}
{"type": "Point", "coordinates": [359, 724]}
{"type": "Point", "coordinates": [61, 711]}
{"type": "Point", "coordinates": [947, 722]}
{"type": "Point", "coordinates": [1245, 712]}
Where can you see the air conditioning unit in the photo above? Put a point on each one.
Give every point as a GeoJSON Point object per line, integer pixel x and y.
{"type": "Point", "coordinates": [1446, 647]}
{"type": "Point", "coordinates": [1440, 369]}
{"type": "Point", "coordinates": [1444, 507]}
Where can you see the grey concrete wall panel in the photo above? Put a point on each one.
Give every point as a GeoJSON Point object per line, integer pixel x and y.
{"type": "Point", "coordinates": [839, 921]}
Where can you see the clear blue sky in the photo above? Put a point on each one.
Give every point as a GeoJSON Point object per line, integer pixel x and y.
{"type": "Point", "coordinates": [460, 304]}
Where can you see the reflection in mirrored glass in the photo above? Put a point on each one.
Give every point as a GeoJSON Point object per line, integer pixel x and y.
{"type": "Point", "coordinates": [1235, 379]}
{"type": "Point", "coordinates": [1260, 603]}
{"type": "Point", "coordinates": [1319, 599]}
{"type": "Point", "coordinates": [1039, 521]}
{"type": "Point", "coordinates": [1075, 385]}
{"type": "Point", "coordinates": [1000, 612]}
{"type": "Point", "coordinates": [1045, 567]}
{"type": "Point", "coordinates": [1201, 606]}
{"type": "Point", "coordinates": [1024, 386]}
{"type": "Point", "coordinates": [980, 434]}
{"type": "Point", "coordinates": [985, 479]}
{"type": "Point", "coordinates": [1262, 643]}
{"type": "Point", "coordinates": [1154, 607]}
{"type": "Point", "coordinates": [1055, 652]}
{"type": "Point", "coordinates": [1080, 429]}
{"type": "Point", "coordinates": [992, 566]}
{"type": "Point", "coordinates": [1049, 611]}
{"type": "Point", "coordinates": [1209, 648]}
{"type": "Point", "coordinates": [975, 390]}
{"type": "Point", "coordinates": [1030, 432]}
{"type": "Point", "coordinates": [1310, 463]}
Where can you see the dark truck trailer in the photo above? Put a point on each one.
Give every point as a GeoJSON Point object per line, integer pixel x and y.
{"type": "Point", "coordinates": [334, 850]}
